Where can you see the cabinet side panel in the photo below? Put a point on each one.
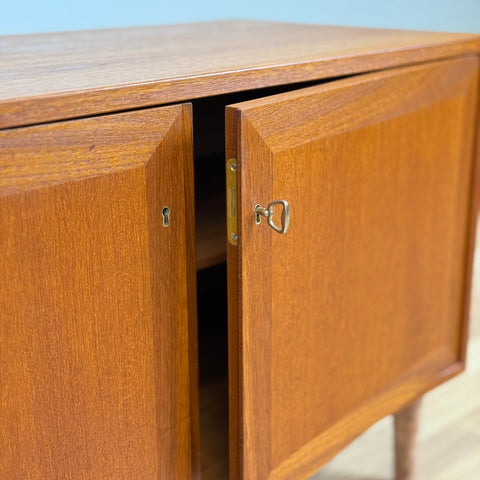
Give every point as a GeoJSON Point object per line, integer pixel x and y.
{"type": "Point", "coordinates": [84, 303]}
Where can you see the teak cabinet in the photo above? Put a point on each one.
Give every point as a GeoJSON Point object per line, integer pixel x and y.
{"type": "Point", "coordinates": [116, 222]}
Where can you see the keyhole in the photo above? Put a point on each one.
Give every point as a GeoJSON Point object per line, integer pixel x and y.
{"type": "Point", "coordinates": [166, 216]}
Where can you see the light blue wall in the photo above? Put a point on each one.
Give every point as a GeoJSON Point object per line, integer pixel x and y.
{"type": "Point", "coordinates": [31, 16]}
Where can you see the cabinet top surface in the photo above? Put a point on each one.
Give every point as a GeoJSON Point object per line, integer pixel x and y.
{"type": "Point", "coordinates": [43, 77]}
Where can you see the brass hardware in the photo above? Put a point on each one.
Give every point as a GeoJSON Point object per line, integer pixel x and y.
{"type": "Point", "coordinates": [260, 212]}
{"type": "Point", "coordinates": [268, 214]}
{"type": "Point", "coordinates": [232, 201]}
{"type": "Point", "coordinates": [166, 216]}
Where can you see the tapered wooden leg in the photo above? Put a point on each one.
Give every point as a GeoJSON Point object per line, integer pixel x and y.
{"type": "Point", "coordinates": [406, 425]}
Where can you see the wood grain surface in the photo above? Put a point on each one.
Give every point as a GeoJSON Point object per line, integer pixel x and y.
{"type": "Point", "coordinates": [211, 232]}
{"type": "Point", "coordinates": [359, 308]}
{"type": "Point", "coordinates": [448, 442]}
{"type": "Point", "coordinates": [97, 299]}
{"type": "Point", "coordinates": [210, 225]}
{"type": "Point", "coordinates": [235, 408]}
{"type": "Point", "coordinates": [47, 77]}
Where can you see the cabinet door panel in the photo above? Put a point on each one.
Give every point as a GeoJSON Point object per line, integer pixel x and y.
{"type": "Point", "coordinates": [97, 298]}
{"type": "Point", "coordinates": [359, 307]}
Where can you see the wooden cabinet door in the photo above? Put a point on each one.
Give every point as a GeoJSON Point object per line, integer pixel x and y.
{"type": "Point", "coordinates": [97, 298]}
{"type": "Point", "coordinates": [360, 306]}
